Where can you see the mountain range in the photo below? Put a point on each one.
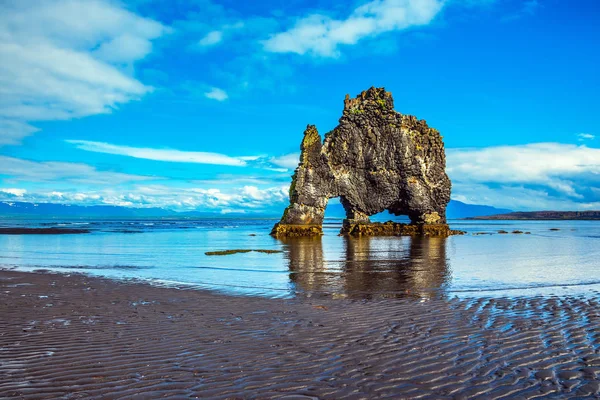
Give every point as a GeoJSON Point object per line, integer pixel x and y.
{"type": "Point", "coordinates": [544, 215]}
{"type": "Point", "coordinates": [456, 210]}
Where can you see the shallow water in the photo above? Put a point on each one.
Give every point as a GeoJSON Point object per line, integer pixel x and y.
{"type": "Point", "coordinates": [171, 251]}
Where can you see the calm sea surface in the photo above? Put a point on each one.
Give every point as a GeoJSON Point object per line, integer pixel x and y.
{"type": "Point", "coordinates": [169, 251]}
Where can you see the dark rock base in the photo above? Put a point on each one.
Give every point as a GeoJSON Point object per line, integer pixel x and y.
{"type": "Point", "coordinates": [397, 229]}
{"type": "Point", "coordinates": [289, 230]}
{"type": "Point", "coordinates": [352, 228]}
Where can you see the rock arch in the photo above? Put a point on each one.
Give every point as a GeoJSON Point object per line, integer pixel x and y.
{"type": "Point", "coordinates": [376, 159]}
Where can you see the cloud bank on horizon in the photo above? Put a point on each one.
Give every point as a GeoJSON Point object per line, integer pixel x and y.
{"type": "Point", "coordinates": [198, 105]}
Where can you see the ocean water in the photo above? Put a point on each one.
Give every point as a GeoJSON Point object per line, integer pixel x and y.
{"type": "Point", "coordinates": [171, 252]}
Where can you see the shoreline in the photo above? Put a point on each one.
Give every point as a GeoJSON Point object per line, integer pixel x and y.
{"type": "Point", "coordinates": [93, 337]}
{"type": "Point", "coordinates": [587, 290]}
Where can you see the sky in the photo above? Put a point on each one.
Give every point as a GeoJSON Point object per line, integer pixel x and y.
{"type": "Point", "coordinates": [201, 104]}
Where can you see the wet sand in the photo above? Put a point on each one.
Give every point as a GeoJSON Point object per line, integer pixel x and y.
{"type": "Point", "coordinates": [80, 337]}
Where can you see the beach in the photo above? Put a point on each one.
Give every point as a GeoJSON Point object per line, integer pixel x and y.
{"type": "Point", "coordinates": [318, 200]}
{"type": "Point", "coordinates": [75, 336]}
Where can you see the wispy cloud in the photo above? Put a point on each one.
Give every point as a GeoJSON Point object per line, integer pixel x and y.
{"type": "Point", "coordinates": [527, 8]}
{"type": "Point", "coordinates": [276, 164]}
{"type": "Point", "coordinates": [62, 59]}
{"type": "Point", "coordinates": [531, 6]}
{"type": "Point", "coordinates": [585, 136]}
{"type": "Point", "coordinates": [211, 38]}
{"type": "Point", "coordinates": [196, 157]}
{"type": "Point", "coordinates": [225, 180]}
{"type": "Point", "coordinates": [288, 161]}
{"type": "Point", "coordinates": [321, 35]}
{"type": "Point", "coordinates": [216, 94]}
{"type": "Point", "coordinates": [220, 29]}
{"type": "Point", "coordinates": [13, 132]}
{"type": "Point", "coordinates": [563, 172]}
{"type": "Point", "coordinates": [54, 171]}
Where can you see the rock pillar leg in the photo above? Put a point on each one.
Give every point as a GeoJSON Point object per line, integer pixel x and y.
{"type": "Point", "coordinates": [354, 219]}
{"type": "Point", "coordinates": [300, 220]}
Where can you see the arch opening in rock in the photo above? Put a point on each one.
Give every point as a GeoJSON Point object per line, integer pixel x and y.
{"type": "Point", "coordinates": [386, 216]}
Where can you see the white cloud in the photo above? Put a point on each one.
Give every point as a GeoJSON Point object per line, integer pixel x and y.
{"type": "Point", "coordinates": [231, 210]}
{"type": "Point", "coordinates": [221, 29]}
{"type": "Point", "coordinates": [518, 197]}
{"type": "Point", "coordinates": [537, 162]}
{"type": "Point", "coordinates": [321, 35]}
{"type": "Point", "coordinates": [12, 132]}
{"type": "Point", "coordinates": [288, 161]}
{"type": "Point", "coordinates": [125, 48]}
{"type": "Point", "coordinates": [586, 136]}
{"type": "Point", "coordinates": [216, 94]}
{"type": "Point", "coordinates": [211, 38]}
{"type": "Point", "coordinates": [196, 157]}
{"type": "Point", "coordinates": [253, 192]}
{"type": "Point", "coordinates": [539, 175]}
{"type": "Point", "coordinates": [61, 59]}
{"type": "Point", "coordinates": [231, 179]}
{"type": "Point", "coordinates": [54, 171]}
{"type": "Point", "coordinates": [13, 191]}
{"type": "Point", "coordinates": [173, 196]}
{"type": "Point", "coordinates": [247, 197]}
{"type": "Point", "coordinates": [275, 164]}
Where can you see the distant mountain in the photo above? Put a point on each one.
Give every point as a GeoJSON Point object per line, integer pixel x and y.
{"type": "Point", "coordinates": [456, 210]}
{"type": "Point", "coordinates": [243, 215]}
{"type": "Point", "coordinates": [66, 210]}
{"type": "Point", "coordinates": [54, 210]}
{"type": "Point", "coordinates": [544, 215]}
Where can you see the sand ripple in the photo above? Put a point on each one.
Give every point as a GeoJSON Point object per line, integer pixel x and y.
{"type": "Point", "coordinates": [77, 337]}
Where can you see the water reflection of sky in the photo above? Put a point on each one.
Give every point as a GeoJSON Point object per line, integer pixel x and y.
{"type": "Point", "coordinates": [544, 262]}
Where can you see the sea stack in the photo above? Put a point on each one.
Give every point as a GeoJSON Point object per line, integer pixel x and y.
{"type": "Point", "coordinates": [376, 159]}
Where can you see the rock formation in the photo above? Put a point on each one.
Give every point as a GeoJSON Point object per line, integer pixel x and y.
{"type": "Point", "coordinates": [376, 159]}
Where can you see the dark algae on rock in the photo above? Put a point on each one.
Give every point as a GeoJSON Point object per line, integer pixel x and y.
{"type": "Point", "coordinates": [391, 228]}
{"type": "Point", "coordinates": [376, 159]}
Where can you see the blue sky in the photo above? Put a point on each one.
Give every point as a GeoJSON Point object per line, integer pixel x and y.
{"type": "Point", "coordinates": [201, 104]}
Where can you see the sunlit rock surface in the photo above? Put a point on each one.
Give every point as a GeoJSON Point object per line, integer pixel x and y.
{"type": "Point", "coordinates": [376, 159]}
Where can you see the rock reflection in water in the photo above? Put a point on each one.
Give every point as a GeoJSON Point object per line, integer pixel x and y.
{"type": "Point", "coordinates": [370, 267]}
